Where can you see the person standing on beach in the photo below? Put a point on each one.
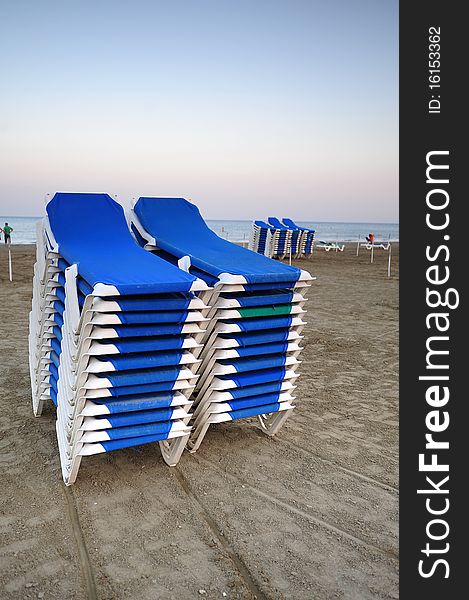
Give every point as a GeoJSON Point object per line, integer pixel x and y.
{"type": "Point", "coordinates": [7, 233]}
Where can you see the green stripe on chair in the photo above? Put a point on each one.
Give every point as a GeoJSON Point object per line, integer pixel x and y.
{"type": "Point", "coordinates": [265, 311]}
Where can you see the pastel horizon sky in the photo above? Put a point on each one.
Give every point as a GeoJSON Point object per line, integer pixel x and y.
{"type": "Point", "coordinates": [250, 109]}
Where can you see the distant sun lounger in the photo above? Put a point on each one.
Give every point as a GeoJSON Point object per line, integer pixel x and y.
{"type": "Point", "coordinates": [379, 245]}
{"type": "Point", "coordinates": [330, 246]}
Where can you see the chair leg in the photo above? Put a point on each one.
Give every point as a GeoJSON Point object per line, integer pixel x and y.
{"type": "Point", "coordinates": [69, 466]}
{"type": "Point", "coordinates": [197, 437]}
{"type": "Point", "coordinates": [70, 476]}
{"type": "Point", "coordinates": [270, 424]}
{"type": "Point", "coordinates": [38, 405]}
{"type": "Point", "coordinates": [171, 450]}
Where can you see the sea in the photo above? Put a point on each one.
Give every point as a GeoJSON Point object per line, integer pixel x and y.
{"type": "Point", "coordinates": [24, 230]}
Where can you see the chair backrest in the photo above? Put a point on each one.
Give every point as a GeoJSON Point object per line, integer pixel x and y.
{"type": "Point", "coordinates": [274, 222]}
{"type": "Point", "coordinates": [92, 232]}
{"type": "Point", "coordinates": [291, 224]}
{"type": "Point", "coordinates": [179, 229]}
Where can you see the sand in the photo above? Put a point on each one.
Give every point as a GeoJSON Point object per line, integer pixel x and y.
{"type": "Point", "coordinates": [309, 514]}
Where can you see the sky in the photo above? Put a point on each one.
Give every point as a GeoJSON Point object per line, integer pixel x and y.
{"type": "Point", "coordinates": [248, 108]}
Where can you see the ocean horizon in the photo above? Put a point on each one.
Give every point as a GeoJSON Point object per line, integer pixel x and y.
{"type": "Point", "coordinates": [24, 229]}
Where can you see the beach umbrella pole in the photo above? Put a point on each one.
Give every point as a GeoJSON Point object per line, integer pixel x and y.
{"type": "Point", "coordinates": [389, 261]}
{"type": "Point", "coordinates": [372, 248]}
{"type": "Point", "coordinates": [358, 245]}
{"type": "Point", "coordinates": [9, 264]}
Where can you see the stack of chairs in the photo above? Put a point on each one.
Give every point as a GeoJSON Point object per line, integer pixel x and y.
{"type": "Point", "coordinates": [284, 237]}
{"type": "Point", "coordinates": [277, 239]}
{"type": "Point", "coordinates": [115, 334]}
{"type": "Point", "coordinates": [298, 238]}
{"type": "Point", "coordinates": [252, 343]}
{"type": "Point", "coordinates": [263, 238]}
{"type": "Point", "coordinates": [269, 240]}
{"type": "Point", "coordinates": [304, 236]}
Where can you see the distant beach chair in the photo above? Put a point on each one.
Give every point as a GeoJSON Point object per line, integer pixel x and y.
{"type": "Point", "coordinates": [371, 244]}
{"type": "Point", "coordinates": [376, 245]}
{"type": "Point", "coordinates": [251, 344]}
{"type": "Point", "coordinates": [330, 246]}
{"type": "Point", "coordinates": [115, 334]}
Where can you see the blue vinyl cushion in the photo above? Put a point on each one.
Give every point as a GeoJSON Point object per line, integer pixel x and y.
{"type": "Point", "coordinates": [255, 363]}
{"type": "Point", "coordinates": [146, 344]}
{"type": "Point", "coordinates": [60, 293]}
{"type": "Point", "coordinates": [155, 316]}
{"type": "Point", "coordinates": [134, 441]}
{"type": "Point", "coordinates": [165, 302]}
{"type": "Point", "coordinates": [143, 360]}
{"type": "Point", "coordinates": [53, 390]}
{"type": "Point", "coordinates": [141, 388]}
{"type": "Point", "coordinates": [262, 323]}
{"type": "Point", "coordinates": [258, 337]}
{"type": "Point", "coordinates": [139, 430]}
{"type": "Point", "coordinates": [255, 377]}
{"type": "Point", "coordinates": [136, 402]}
{"type": "Point", "coordinates": [271, 297]}
{"type": "Point", "coordinates": [92, 232]}
{"type": "Point", "coordinates": [56, 346]}
{"type": "Point", "coordinates": [254, 411]}
{"type": "Point", "coordinates": [136, 417]}
{"type": "Point", "coordinates": [262, 349]}
{"type": "Point", "coordinates": [255, 390]}
{"type": "Point", "coordinates": [252, 401]}
{"type": "Point", "coordinates": [179, 229]}
{"type": "Point", "coordinates": [163, 329]}
{"type": "Point", "coordinates": [141, 376]}
{"type": "Point", "coordinates": [54, 370]}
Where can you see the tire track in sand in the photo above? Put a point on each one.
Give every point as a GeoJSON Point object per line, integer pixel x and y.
{"type": "Point", "coordinates": [237, 561]}
{"type": "Point", "coordinates": [83, 555]}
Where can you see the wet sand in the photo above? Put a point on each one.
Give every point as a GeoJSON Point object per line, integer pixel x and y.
{"type": "Point", "coordinates": [309, 514]}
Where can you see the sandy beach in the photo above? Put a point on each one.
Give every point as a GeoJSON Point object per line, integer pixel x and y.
{"type": "Point", "coordinates": [310, 514]}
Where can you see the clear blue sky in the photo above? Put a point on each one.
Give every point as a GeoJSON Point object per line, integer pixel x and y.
{"type": "Point", "coordinates": [249, 108]}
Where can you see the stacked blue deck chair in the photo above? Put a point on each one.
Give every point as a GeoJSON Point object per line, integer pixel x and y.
{"type": "Point", "coordinates": [284, 237]}
{"type": "Point", "coordinates": [297, 238]}
{"type": "Point", "coordinates": [115, 334]}
{"type": "Point", "coordinates": [251, 345]}
{"type": "Point", "coordinates": [305, 237]}
{"type": "Point", "coordinates": [263, 238]}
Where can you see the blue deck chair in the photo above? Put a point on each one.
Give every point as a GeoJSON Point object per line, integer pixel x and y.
{"type": "Point", "coordinates": [247, 288]}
